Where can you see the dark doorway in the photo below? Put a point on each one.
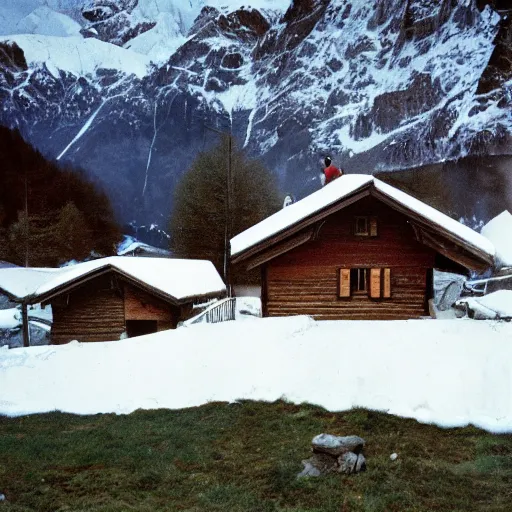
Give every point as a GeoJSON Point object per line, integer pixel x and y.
{"type": "Point", "coordinates": [140, 327]}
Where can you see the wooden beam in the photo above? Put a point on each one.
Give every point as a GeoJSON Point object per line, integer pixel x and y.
{"type": "Point", "coordinates": [281, 248]}
{"type": "Point", "coordinates": [450, 250]}
{"type": "Point", "coordinates": [427, 227]}
{"type": "Point", "coordinates": [26, 327]}
{"type": "Point", "coordinates": [264, 291]}
{"type": "Point", "coordinates": [79, 281]}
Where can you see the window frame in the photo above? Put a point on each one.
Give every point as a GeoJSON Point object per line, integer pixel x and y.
{"type": "Point", "coordinates": [357, 219]}
{"type": "Point", "coordinates": [346, 290]}
{"type": "Point", "coordinates": [371, 226]}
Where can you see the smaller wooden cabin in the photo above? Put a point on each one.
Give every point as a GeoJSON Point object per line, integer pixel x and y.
{"type": "Point", "coordinates": [116, 297]}
{"type": "Point", "coordinates": [356, 249]}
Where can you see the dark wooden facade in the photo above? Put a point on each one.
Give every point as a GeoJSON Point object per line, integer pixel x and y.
{"type": "Point", "coordinates": [368, 255]}
{"type": "Point", "coordinates": [308, 279]}
{"type": "Point", "coordinates": [106, 307]}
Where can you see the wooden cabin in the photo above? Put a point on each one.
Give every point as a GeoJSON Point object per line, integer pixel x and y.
{"type": "Point", "coordinates": [356, 249]}
{"type": "Point", "coordinates": [110, 307]}
{"type": "Point", "coordinates": [117, 297]}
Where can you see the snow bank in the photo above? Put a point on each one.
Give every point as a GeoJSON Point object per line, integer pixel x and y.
{"type": "Point", "coordinates": [450, 372]}
{"type": "Point", "coordinates": [495, 305]}
{"type": "Point", "coordinates": [499, 232]}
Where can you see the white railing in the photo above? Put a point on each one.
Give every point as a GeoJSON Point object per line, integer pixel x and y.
{"type": "Point", "coordinates": [221, 311]}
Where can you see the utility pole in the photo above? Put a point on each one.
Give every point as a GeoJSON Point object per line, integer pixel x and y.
{"type": "Point", "coordinates": [27, 226]}
{"type": "Point", "coordinates": [227, 208]}
{"type": "Point", "coordinates": [24, 306]}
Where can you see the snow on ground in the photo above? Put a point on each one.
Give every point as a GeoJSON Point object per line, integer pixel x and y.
{"type": "Point", "coordinates": [247, 307]}
{"type": "Point", "coordinates": [450, 372]}
{"type": "Point", "coordinates": [77, 55]}
{"type": "Point", "coordinates": [492, 306]}
{"type": "Point", "coordinates": [499, 231]}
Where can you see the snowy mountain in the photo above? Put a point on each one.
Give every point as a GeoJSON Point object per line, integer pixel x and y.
{"type": "Point", "coordinates": [124, 88]}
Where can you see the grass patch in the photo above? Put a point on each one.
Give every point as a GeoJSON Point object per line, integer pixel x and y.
{"type": "Point", "coordinates": [245, 457]}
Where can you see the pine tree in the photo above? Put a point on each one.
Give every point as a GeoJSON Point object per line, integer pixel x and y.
{"type": "Point", "coordinates": [49, 215]}
{"type": "Point", "coordinates": [197, 225]}
{"type": "Point", "coordinates": [72, 234]}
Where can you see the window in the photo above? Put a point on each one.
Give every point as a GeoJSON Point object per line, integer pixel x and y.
{"type": "Point", "coordinates": [373, 282]}
{"type": "Point", "coordinates": [359, 280]}
{"type": "Point", "coordinates": [365, 226]}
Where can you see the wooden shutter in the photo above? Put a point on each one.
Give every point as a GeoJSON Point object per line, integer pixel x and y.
{"type": "Point", "coordinates": [375, 283]}
{"type": "Point", "coordinates": [386, 292]}
{"type": "Point", "coordinates": [373, 226]}
{"type": "Point", "coordinates": [344, 282]}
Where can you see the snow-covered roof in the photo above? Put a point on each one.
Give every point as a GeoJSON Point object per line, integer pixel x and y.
{"type": "Point", "coordinates": [337, 191]}
{"type": "Point", "coordinates": [298, 211]}
{"type": "Point", "coordinates": [177, 279]}
{"type": "Point", "coordinates": [20, 282]}
{"type": "Point", "coordinates": [499, 232]}
{"type": "Point", "coordinates": [141, 247]}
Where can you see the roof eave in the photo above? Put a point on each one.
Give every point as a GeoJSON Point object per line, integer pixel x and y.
{"type": "Point", "coordinates": [109, 268]}
{"type": "Point", "coordinates": [11, 296]}
{"type": "Point", "coordinates": [355, 195]}
{"type": "Point", "coordinates": [468, 246]}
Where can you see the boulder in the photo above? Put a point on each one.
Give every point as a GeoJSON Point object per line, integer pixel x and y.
{"type": "Point", "coordinates": [335, 445]}
{"type": "Point", "coordinates": [334, 454]}
{"type": "Point", "coordinates": [319, 464]}
{"type": "Point", "coordinates": [347, 463]}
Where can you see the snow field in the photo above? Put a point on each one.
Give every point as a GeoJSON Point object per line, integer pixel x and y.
{"type": "Point", "coordinates": [78, 56]}
{"type": "Point", "coordinates": [451, 372]}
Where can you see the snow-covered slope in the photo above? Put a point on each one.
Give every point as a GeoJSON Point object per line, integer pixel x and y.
{"type": "Point", "coordinates": [81, 57]}
{"type": "Point", "coordinates": [411, 368]}
{"type": "Point", "coordinates": [157, 28]}
{"type": "Point", "coordinates": [49, 17]}
{"type": "Point", "coordinates": [391, 86]}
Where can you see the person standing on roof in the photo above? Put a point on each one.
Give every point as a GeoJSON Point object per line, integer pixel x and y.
{"type": "Point", "coordinates": [330, 172]}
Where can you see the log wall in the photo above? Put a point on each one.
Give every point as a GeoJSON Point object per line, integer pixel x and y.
{"type": "Point", "coordinates": [140, 305]}
{"type": "Point", "coordinates": [92, 312]}
{"type": "Point", "coordinates": [305, 279]}
{"type": "Point", "coordinates": [98, 310]}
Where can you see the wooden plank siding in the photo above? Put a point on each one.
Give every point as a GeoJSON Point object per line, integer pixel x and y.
{"type": "Point", "coordinates": [98, 311]}
{"type": "Point", "coordinates": [92, 312]}
{"type": "Point", "coordinates": [305, 280]}
{"type": "Point", "coordinates": [140, 305]}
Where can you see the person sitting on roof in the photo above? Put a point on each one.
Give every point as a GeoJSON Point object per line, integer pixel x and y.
{"type": "Point", "coordinates": [330, 172]}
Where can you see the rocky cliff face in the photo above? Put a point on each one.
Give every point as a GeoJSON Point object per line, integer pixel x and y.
{"type": "Point", "coordinates": [398, 85]}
